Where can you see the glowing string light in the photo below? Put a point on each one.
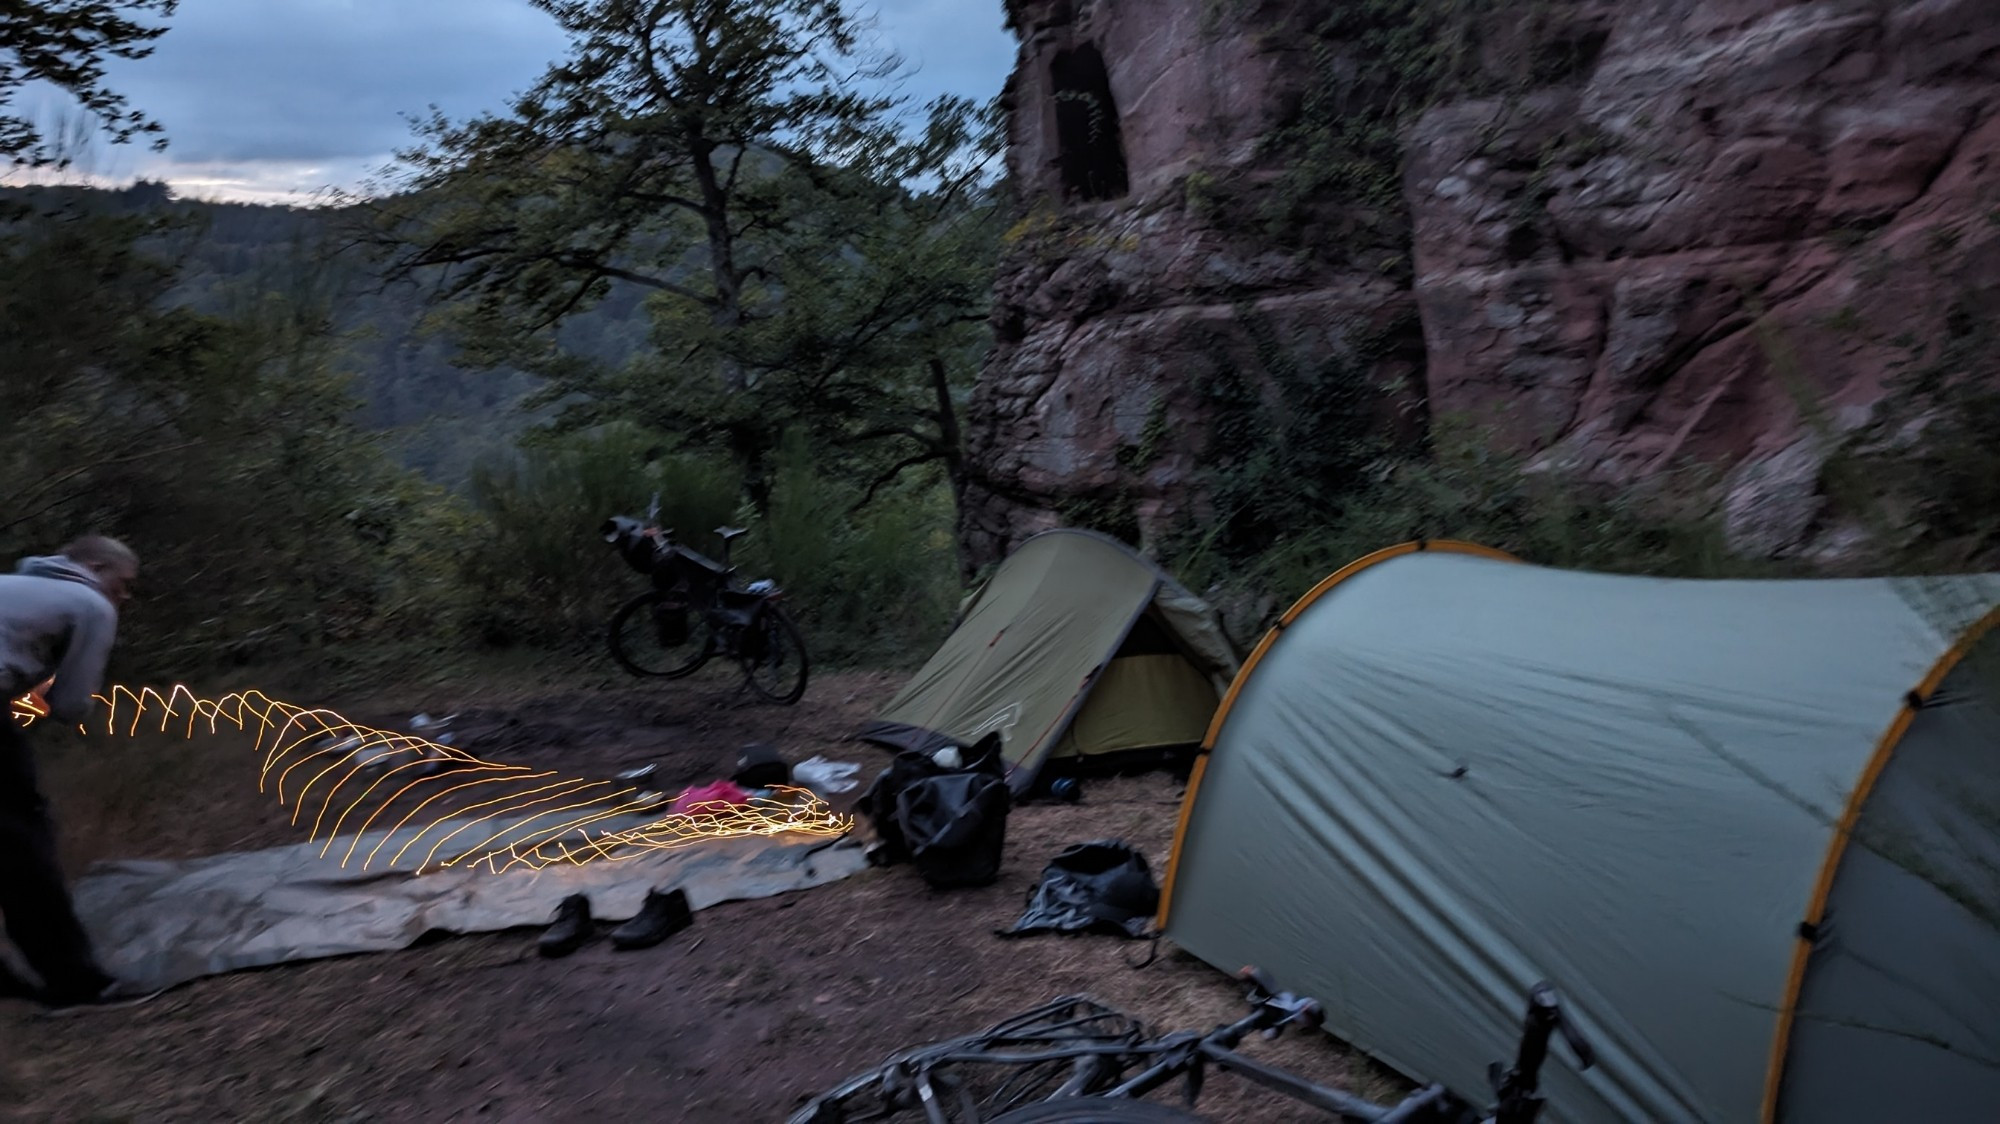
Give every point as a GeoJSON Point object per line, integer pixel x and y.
{"type": "Point", "coordinates": [520, 817]}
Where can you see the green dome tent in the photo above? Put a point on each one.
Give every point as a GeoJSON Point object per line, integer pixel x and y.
{"type": "Point", "coordinates": [1750, 829]}
{"type": "Point", "coordinates": [1076, 647]}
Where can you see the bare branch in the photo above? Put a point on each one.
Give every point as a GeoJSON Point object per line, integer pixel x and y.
{"type": "Point", "coordinates": [73, 473]}
{"type": "Point", "coordinates": [889, 477]}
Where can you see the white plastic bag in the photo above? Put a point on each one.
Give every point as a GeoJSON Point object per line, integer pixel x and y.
{"type": "Point", "coordinates": [821, 775]}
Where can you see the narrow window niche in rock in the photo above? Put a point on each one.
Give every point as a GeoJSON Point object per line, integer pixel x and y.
{"type": "Point", "coordinates": [1090, 149]}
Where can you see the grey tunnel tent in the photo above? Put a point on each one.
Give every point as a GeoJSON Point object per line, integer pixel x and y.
{"type": "Point", "coordinates": [1075, 647]}
{"type": "Point", "coordinates": [1750, 829]}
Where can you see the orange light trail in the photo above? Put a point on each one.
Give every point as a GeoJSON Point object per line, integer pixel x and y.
{"type": "Point", "coordinates": [522, 817]}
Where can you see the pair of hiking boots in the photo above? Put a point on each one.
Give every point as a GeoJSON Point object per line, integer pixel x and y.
{"type": "Point", "coordinates": [661, 917]}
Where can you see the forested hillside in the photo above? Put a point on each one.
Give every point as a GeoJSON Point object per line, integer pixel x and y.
{"type": "Point", "coordinates": [438, 416]}
{"type": "Point", "coordinates": [379, 436]}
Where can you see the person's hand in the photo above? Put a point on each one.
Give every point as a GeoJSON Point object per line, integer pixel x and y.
{"type": "Point", "coordinates": [39, 696]}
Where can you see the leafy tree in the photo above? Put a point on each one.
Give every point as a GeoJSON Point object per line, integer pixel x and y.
{"type": "Point", "coordinates": [223, 444]}
{"type": "Point", "coordinates": [66, 43]}
{"type": "Point", "coordinates": [808, 258]}
{"type": "Point", "coordinates": [882, 325]}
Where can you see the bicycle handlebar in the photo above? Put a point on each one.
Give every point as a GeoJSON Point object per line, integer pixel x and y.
{"type": "Point", "coordinates": [1517, 1091]}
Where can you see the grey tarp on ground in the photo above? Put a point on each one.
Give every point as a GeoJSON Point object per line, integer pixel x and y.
{"type": "Point", "coordinates": [163, 923]}
{"type": "Point", "coordinates": [1034, 640]}
{"type": "Point", "coordinates": [1453, 776]}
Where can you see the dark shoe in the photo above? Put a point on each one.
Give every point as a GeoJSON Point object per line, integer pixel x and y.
{"type": "Point", "coordinates": [662, 916]}
{"type": "Point", "coordinates": [112, 994]}
{"type": "Point", "coordinates": [78, 986]}
{"type": "Point", "coordinates": [572, 927]}
{"type": "Point", "coordinates": [14, 987]}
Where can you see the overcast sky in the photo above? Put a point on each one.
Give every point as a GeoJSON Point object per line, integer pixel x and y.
{"type": "Point", "coordinates": [272, 100]}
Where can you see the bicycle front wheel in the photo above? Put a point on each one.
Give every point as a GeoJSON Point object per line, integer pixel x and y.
{"type": "Point", "coordinates": [776, 666]}
{"type": "Point", "coordinates": [658, 635]}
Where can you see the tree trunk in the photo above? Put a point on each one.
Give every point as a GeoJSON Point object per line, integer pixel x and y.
{"type": "Point", "coordinates": [752, 454]}
{"type": "Point", "coordinates": [953, 446]}
{"type": "Point", "coordinates": [728, 312]}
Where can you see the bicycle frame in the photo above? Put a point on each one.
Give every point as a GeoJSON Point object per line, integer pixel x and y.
{"type": "Point", "coordinates": [743, 623]}
{"type": "Point", "coordinates": [1101, 1061]}
{"type": "Point", "coordinates": [1272, 1011]}
{"type": "Point", "coordinates": [1218, 1047]}
{"type": "Point", "coordinates": [669, 565]}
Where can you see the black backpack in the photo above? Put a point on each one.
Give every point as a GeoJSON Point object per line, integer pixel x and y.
{"type": "Point", "coordinates": [950, 823]}
{"type": "Point", "coordinates": [1103, 886]}
{"type": "Point", "coordinates": [759, 766]}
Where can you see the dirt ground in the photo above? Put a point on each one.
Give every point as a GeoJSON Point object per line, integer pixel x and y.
{"type": "Point", "coordinates": [739, 1019]}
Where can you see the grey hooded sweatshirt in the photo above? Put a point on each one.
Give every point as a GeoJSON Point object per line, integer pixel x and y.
{"type": "Point", "coordinates": [54, 621]}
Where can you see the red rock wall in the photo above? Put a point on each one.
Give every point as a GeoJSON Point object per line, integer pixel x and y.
{"type": "Point", "coordinates": [1589, 254]}
{"type": "Point", "coordinates": [1590, 259]}
{"type": "Point", "coordinates": [1109, 313]}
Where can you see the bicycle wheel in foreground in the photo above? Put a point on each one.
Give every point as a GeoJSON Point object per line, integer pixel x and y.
{"type": "Point", "coordinates": [1093, 1110]}
{"type": "Point", "coordinates": [657, 634]}
{"type": "Point", "coordinates": [776, 663]}
{"type": "Point", "coordinates": [1072, 1043]}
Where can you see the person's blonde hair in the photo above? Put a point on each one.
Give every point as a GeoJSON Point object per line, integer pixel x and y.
{"type": "Point", "coordinates": [101, 552]}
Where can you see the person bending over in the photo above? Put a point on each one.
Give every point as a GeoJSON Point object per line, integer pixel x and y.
{"type": "Point", "coordinates": [58, 619]}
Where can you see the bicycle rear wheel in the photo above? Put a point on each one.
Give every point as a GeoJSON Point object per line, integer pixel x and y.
{"type": "Point", "coordinates": [657, 634]}
{"type": "Point", "coordinates": [777, 668]}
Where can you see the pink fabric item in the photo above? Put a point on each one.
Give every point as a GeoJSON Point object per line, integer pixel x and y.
{"type": "Point", "coordinates": [719, 792]}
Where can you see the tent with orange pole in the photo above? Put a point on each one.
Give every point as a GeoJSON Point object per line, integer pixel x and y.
{"type": "Point", "coordinates": [1750, 829]}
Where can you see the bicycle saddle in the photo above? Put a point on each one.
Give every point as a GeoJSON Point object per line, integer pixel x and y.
{"type": "Point", "coordinates": [728, 533]}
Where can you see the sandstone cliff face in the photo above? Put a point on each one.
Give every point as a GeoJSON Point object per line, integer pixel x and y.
{"type": "Point", "coordinates": [1116, 294]}
{"type": "Point", "coordinates": [1590, 259]}
{"type": "Point", "coordinates": [1592, 256]}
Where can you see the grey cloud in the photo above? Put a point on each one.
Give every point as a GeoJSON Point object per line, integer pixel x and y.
{"type": "Point", "coordinates": [302, 83]}
{"type": "Point", "coordinates": [237, 80]}
{"type": "Point", "coordinates": [953, 46]}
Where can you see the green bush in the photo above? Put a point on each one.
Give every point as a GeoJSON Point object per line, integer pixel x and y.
{"type": "Point", "coordinates": [1925, 478]}
{"type": "Point", "coordinates": [876, 585]}
{"type": "Point", "coordinates": [544, 574]}
{"type": "Point", "coordinates": [222, 445]}
{"type": "Point", "coordinates": [1295, 433]}
{"type": "Point", "coordinates": [1465, 488]}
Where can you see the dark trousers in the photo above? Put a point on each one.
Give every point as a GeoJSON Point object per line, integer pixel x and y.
{"type": "Point", "coordinates": [41, 920]}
